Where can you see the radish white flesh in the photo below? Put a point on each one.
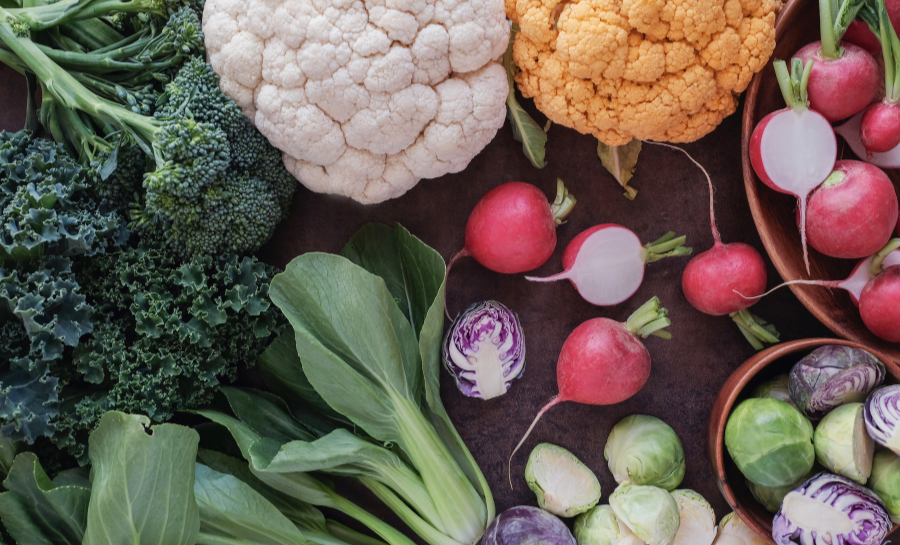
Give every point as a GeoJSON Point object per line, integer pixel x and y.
{"type": "Point", "coordinates": [850, 132]}
{"type": "Point", "coordinates": [609, 263]}
{"type": "Point", "coordinates": [794, 150]}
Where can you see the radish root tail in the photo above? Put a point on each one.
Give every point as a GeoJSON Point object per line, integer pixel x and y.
{"type": "Point", "coordinates": [456, 256]}
{"type": "Point", "coordinates": [712, 212]}
{"type": "Point", "coordinates": [823, 283]}
{"type": "Point", "coordinates": [553, 402]}
{"type": "Point", "coordinates": [553, 278]}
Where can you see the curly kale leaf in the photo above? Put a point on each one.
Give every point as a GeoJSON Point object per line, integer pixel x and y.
{"type": "Point", "coordinates": [42, 206]}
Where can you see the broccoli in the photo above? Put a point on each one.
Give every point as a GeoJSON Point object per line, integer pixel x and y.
{"type": "Point", "coordinates": [217, 188]}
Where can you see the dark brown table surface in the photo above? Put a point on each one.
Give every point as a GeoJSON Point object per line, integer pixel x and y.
{"type": "Point", "coordinates": [687, 370]}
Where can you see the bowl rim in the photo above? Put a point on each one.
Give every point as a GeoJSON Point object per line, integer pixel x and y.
{"type": "Point", "coordinates": [732, 389]}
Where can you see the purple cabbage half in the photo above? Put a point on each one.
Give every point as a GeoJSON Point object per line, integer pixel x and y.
{"type": "Point", "coordinates": [831, 510]}
{"type": "Point", "coordinates": [526, 525]}
{"type": "Point", "coordinates": [882, 415]}
{"type": "Point", "coordinates": [485, 350]}
{"type": "Point", "coordinates": [831, 376]}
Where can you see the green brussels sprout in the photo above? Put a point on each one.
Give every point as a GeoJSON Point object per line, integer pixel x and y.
{"type": "Point", "coordinates": [771, 497]}
{"type": "Point", "coordinates": [564, 486]}
{"type": "Point", "coordinates": [644, 450]}
{"type": "Point", "coordinates": [777, 388]}
{"type": "Point", "coordinates": [697, 520]}
{"type": "Point", "coordinates": [770, 441]}
{"type": "Point", "coordinates": [733, 531]}
{"type": "Point", "coordinates": [885, 482]}
{"type": "Point", "coordinates": [842, 444]}
{"type": "Point", "coordinates": [650, 512]}
{"type": "Point", "coordinates": [600, 526]}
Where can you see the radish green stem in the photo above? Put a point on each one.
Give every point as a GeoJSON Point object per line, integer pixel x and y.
{"type": "Point", "coordinates": [648, 320]}
{"type": "Point", "coordinates": [665, 246]}
{"type": "Point", "coordinates": [876, 17]}
{"type": "Point", "coordinates": [826, 31]}
{"type": "Point", "coordinates": [755, 329]}
{"type": "Point", "coordinates": [563, 204]}
{"type": "Point", "coordinates": [834, 18]}
{"type": "Point", "coordinates": [878, 261]}
{"type": "Point", "coordinates": [712, 213]}
{"type": "Point", "coordinates": [793, 84]}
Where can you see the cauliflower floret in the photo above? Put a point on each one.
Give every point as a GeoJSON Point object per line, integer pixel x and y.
{"type": "Point", "coordinates": [650, 69]}
{"type": "Point", "coordinates": [365, 97]}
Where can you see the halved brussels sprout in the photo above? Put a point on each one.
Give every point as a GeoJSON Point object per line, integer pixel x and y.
{"type": "Point", "coordinates": [770, 441]}
{"type": "Point", "coordinates": [563, 485]}
{"type": "Point", "coordinates": [829, 509]}
{"type": "Point", "coordinates": [600, 526]}
{"type": "Point", "coordinates": [697, 520]}
{"type": "Point", "coordinates": [831, 376]}
{"type": "Point", "coordinates": [733, 531]}
{"type": "Point", "coordinates": [777, 388]}
{"type": "Point", "coordinates": [885, 482]}
{"type": "Point", "coordinates": [649, 511]}
{"type": "Point", "coordinates": [645, 450]}
{"type": "Point", "coordinates": [842, 444]}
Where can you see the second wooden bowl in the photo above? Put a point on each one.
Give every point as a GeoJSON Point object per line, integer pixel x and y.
{"type": "Point", "coordinates": [773, 212]}
{"type": "Point", "coordinates": [762, 367]}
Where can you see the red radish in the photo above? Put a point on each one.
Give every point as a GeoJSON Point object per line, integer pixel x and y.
{"type": "Point", "coordinates": [793, 150]}
{"type": "Point", "coordinates": [604, 362]}
{"type": "Point", "coordinates": [711, 281]}
{"type": "Point", "coordinates": [845, 77]}
{"type": "Point", "coordinates": [859, 33]}
{"type": "Point", "coordinates": [606, 262]}
{"type": "Point", "coordinates": [879, 129]}
{"type": "Point", "coordinates": [512, 229]}
{"type": "Point", "coordinates": [879, 304]}
{"type": "Point", "coordinates": [850, 132]}
{"type": "Point", "coordinates": [853, 213]}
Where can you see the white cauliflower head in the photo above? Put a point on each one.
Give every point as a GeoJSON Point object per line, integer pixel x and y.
{"type": "Point", "coordinates": [365, 97]}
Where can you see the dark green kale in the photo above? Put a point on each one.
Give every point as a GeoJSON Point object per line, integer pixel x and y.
{"type": "Point", "coordinates": [172, 332]}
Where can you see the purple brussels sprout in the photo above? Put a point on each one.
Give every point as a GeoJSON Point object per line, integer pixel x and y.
{"type": "Point", "coordinates": [526, 525]}
{"type": "Point", "coordinates": [831, 510]}
{"type": "Point", "coordinates": [883, 417]}
{"type": "Point", "coordinates": [831, 376]}
{"type": "Point", "coordinates": [485, 350]}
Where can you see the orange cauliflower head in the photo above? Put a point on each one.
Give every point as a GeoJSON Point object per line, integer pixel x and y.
{"type": "Point", "coordinates": [665, 70]}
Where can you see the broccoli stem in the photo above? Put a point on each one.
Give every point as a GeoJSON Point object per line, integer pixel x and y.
{"type": "Point", "coordinates": [73, 94]}
{"type": "Point", "coordinates": [67, 11]}
{"type": "Point", "coordinates": [92, 34]}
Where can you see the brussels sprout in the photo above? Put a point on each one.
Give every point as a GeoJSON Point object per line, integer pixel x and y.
{"type": "Point", "coordinates": [485, 350]}
{"type": "Point", "coordinates": [771, 497]}
{"type": "Point", "coordinates": [600, 526]}
{"type": "Point", "coordinates": [563, 485]}
{"type": "Point", "coordinates": [770, 441]}
{"type": "Point", "coordinates": [697, 520]}
{"type": "Point", "coordinates": [883, 417]}
{"type": "Point", "coordinates": [644, 450]}
{"type": "Point", "coordinates": [649, 511]}
{"type": "Point", "coordinates": [831, 376]}
{"type": "Point", "coordinates": [833, 510]}
{"type": "Point", "coordinates": [842, 444]}
{"type": "Point", "coordinates": [777, 388]}
{"type": "Point", "coordinates": [885, 482]}
{"type": "Point", "coordinates": [526, 525]}
{"type": "Point", "coordinates": [733, 531]}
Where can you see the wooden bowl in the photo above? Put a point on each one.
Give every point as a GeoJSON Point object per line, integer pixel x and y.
{"type": "Point", "coordinates": [762, 367]}
{"type": "Point", "coordinates": [774, 213]}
